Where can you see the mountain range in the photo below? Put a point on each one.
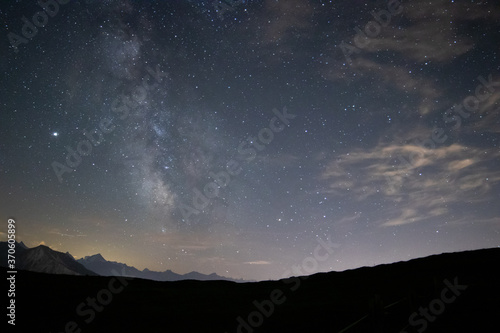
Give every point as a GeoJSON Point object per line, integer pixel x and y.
{"type": "Point", "coordinates": [43, 259]}
{"type": "Point", "coordinates": [103, 267]}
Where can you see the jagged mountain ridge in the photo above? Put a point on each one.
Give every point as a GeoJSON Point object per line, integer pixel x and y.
{"type": "Point", "coordinates": [43, 259]}
{"type": "Point", "coordinates": [101, 266]}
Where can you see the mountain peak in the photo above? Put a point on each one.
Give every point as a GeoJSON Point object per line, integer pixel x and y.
{"type": "Point", "coordinates": [94, 258]}
{"type": "Point", "coordinates": [42, 248]}
{"type": "Point", "coordinates": [45, 260]}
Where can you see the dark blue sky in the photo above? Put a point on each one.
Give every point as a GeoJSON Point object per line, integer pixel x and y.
{"type": "Point", "coordinates": [236, 138]}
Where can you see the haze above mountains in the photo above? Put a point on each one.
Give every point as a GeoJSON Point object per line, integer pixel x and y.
{"type": "Point", "coordinates": [43, 259]}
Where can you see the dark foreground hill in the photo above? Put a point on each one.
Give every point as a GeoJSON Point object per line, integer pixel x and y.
{"type": "Point", "coordinates": [457, 292]}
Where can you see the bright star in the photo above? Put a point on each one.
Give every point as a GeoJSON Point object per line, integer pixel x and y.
{"type": "Point", "coordinates": [55, 134]}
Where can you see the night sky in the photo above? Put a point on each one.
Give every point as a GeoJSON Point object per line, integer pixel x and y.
{"type": "Point", "coordinates": [235, 137]}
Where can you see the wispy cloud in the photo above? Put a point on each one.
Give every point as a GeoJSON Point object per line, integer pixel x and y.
{"type": "Point", "coordinates": [401, 79]}
{"type": "Point", "coordinates": [285, 18]}
{"type": "Point", "coordinates": [278, 27]}
{"type": "Point", "coordinates": [442, 47]}
{"type": "Point", "coordinates": [419, 41]}
{"type": "Point", "coordinates": [57, 232]}
{"type": "Point", "coordinates": [435, 180]}
{"type": "Point", "coordinates": [488, 114]}
{"type": "Point", "coordinates": [425, 33]}
{"type": "Point", "coordinates": [259, 262]}
{"type": "Point", "coordinates": [192, 247]}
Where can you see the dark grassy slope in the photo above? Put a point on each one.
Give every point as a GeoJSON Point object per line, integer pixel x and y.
{"type": "Point", "coordinates": [326, 302]}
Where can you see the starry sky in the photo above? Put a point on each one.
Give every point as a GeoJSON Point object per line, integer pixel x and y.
{"type": "Point", "coordinates": [234, 137]}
